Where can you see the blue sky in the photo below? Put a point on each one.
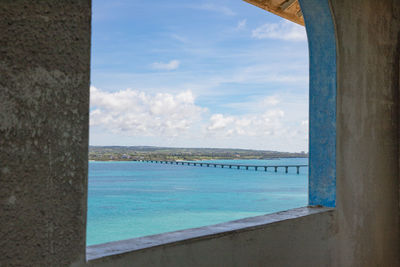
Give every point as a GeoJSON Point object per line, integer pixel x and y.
{"type": "Point", "coordinates": [219, 73]}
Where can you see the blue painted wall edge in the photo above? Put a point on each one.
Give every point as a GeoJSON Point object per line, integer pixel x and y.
{"type": "Point", "coordinates": [322, 114]}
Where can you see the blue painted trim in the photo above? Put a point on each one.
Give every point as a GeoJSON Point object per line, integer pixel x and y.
{"type": "Point", "coordinates": [322, 118]}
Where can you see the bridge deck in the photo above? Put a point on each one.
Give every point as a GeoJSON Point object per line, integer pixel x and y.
{"type": "Point", "coordinates": [229, 165]}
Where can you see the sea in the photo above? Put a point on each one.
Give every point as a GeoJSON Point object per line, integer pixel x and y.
{"type": "Point", "coordinates": [130, 199]}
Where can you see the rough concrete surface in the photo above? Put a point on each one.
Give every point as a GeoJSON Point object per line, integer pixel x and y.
{"type": "Point", "coordinates": [299, 241]}
{"type": "Point", "coordinates": [367, 129]}
{"type": "Point", "coordinates": [44, 104]}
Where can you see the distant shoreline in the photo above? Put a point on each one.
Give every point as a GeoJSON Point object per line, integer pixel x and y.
{"type": "Point", "coordinates": [122, 153]}
{"type": "Point", "coordinates": [130, 160]}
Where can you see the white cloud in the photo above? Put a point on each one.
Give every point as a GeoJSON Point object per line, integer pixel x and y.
{"type": "Point", "coordinates": [284, 30]}
{"type": "Point", "coordinates": [132, 117]}
{"type": "Point", "coordinates": [265, 124]}
{"type": "Point", "coordinates": [133, 112]}
{"type": "Point", "coordinates": [270, 101]}
{"type": "Point", "coordinates": [255, 104]}
{"type": "Point", "coordinates": [216, 8]}
{"type": "Point", "coordinates": [172, 65]}
{"type": "Point", "coordinates": [241, 24]}
{"type": "Point", "coordinates": [219, 121]}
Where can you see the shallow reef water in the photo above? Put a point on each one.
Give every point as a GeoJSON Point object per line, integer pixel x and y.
{"type": "Point", "coordinates": [134, 199]}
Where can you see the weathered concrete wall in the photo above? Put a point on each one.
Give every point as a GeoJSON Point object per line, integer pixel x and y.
{"type": "Point", "coordinates": [44, 96]}
{"type": "Point", "coordinates": [304, 241]}
{"type": "Point", "coordinates": [44, 104]}
{"type": "Point", "coordinates": [367, 132]}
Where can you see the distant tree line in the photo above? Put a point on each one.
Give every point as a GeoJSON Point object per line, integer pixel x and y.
{"type": "Point", "coordinates": [129, 153]}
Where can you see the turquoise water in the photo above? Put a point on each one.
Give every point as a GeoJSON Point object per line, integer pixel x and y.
{"type": "Point", "coordinates": [134, 199]}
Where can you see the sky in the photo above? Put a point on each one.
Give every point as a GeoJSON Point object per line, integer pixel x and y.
{"type": "Point", "coordinates": [220, 73]}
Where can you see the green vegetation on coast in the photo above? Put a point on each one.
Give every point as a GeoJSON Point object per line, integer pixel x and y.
{"type": "Point", "coordinates": [129, 153]}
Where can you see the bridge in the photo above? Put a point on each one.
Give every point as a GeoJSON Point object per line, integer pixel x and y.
{"type": "Point", "coordinates": [228, 165]}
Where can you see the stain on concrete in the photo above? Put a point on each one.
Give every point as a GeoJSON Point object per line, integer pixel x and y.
{"type": "Point", "coordinates": [44, 105]}
{"type": "Point", "coordinates": [367, 126]}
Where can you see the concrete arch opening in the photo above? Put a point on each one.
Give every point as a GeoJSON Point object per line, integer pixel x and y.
{"type": "Point", "coordinates": [297, 69]}
{"type": "Point", "coordinates": [44, 102]}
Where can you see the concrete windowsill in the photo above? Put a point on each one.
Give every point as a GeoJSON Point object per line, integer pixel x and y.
{"type": "Point", "coordinates": [172, 238]}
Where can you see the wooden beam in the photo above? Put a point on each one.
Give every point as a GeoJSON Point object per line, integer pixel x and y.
{"type": "Point", "coordinates": [288, 3]}
{"type": "Point", "coordinates": [299, 14]}
{"type": "Point", "coordinates": [276, 9]}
